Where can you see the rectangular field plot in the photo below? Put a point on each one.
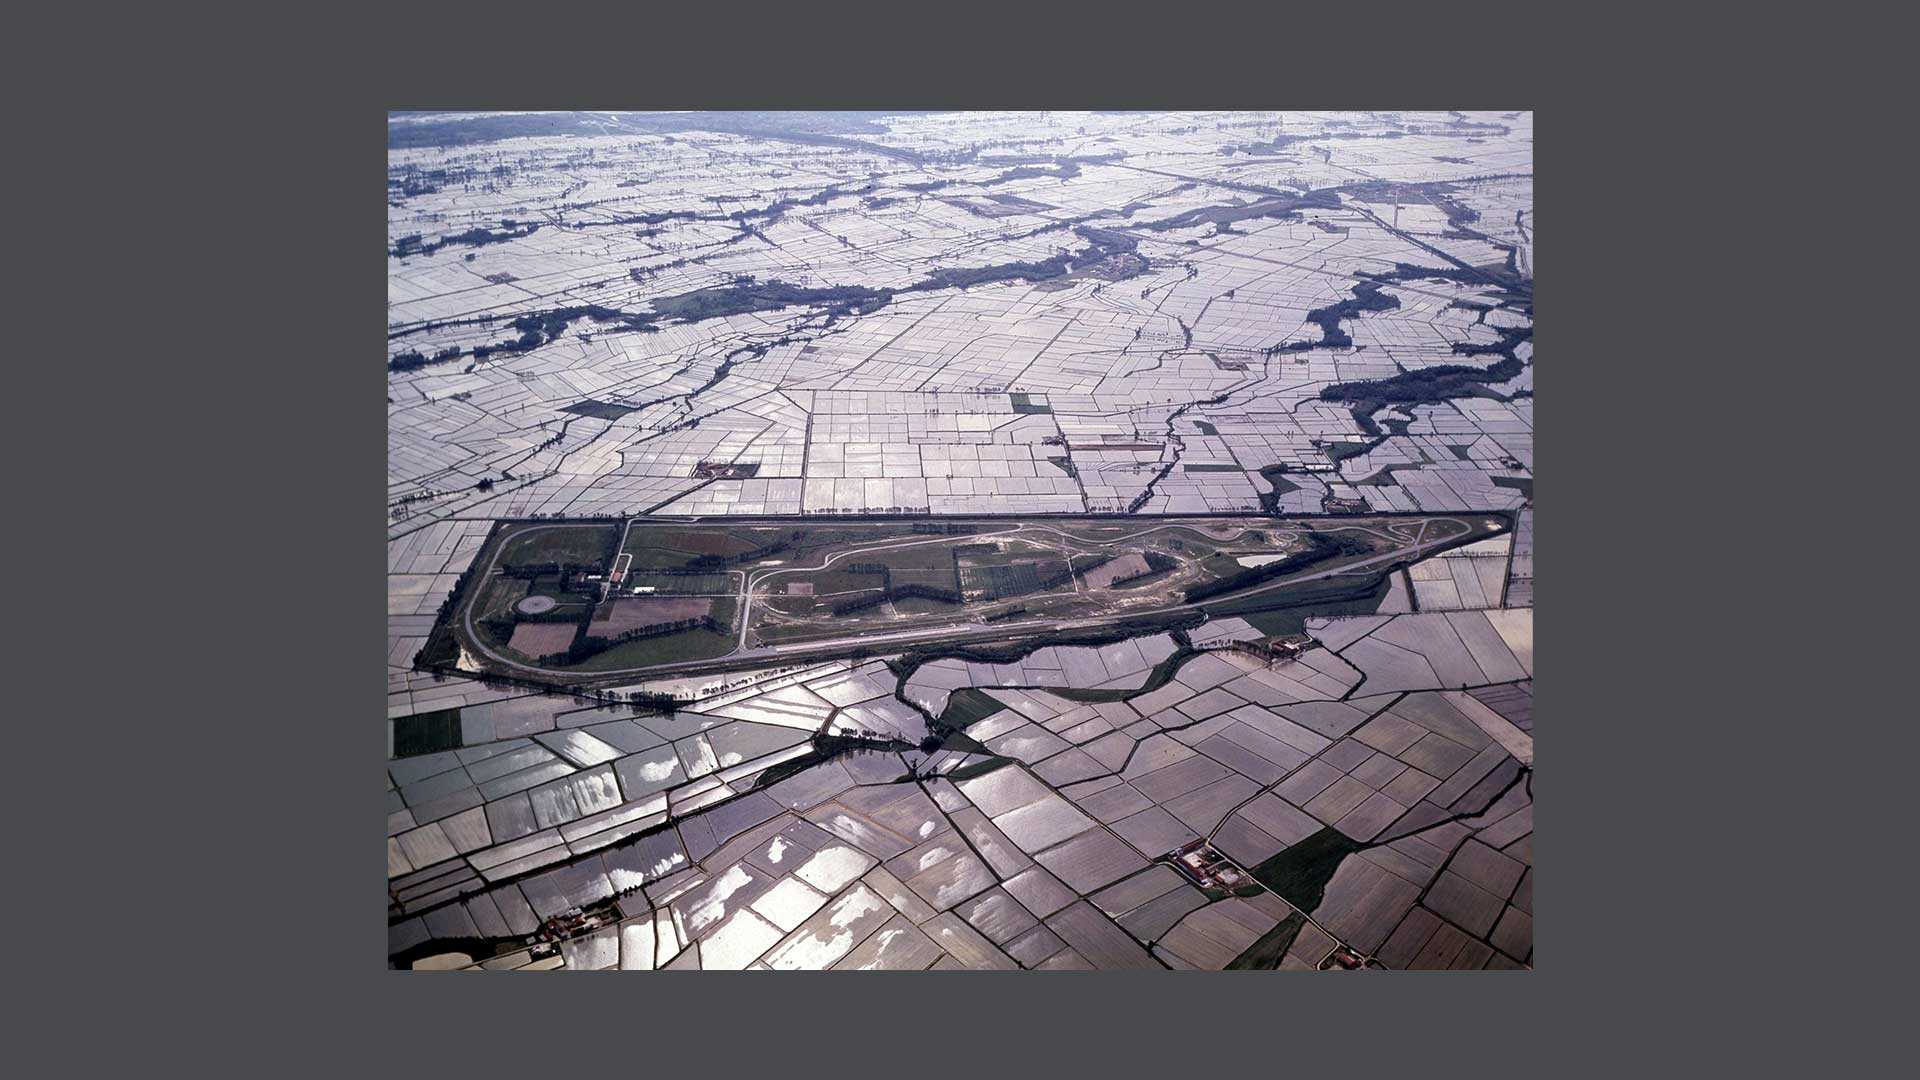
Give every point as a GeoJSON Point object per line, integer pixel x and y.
{"type": "Point", "coordinates": [633, 613]}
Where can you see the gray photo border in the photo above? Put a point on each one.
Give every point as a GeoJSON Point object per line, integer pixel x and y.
{"type": "Point", "coordinates": [258, 839]}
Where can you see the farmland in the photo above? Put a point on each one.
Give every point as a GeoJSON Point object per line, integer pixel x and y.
{"type": "Point", "coordinates": [939, 540]}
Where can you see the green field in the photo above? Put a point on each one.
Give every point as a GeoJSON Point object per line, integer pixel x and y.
{"type": "Point", "coordinates": [1299, 875]}
{"type": "Point", "coordinates": [967, 706]}
{"type": "Point", "coordinates": [580, 545]}
{"type": "Point", "coordinates": [426, 733]}
{"type": "Point", "coordinates": [679, 584]}
{"type": "Point", "coordinates": [920, 605]}
{"type": "Point", "coordinates": [696, 644]}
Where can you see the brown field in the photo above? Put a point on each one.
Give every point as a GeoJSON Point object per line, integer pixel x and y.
{"type": "Point", "coordinates": [541, 639]}
{"type": "Point", "coordinates": [631, 613]}
{"type": "Point", "coordinates": [1125, 566]}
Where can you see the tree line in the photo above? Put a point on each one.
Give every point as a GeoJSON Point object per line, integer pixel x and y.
{"type": "Point", "coordinates": [896, 592]}
{"type": "Point", "coordinates": [586, 647]}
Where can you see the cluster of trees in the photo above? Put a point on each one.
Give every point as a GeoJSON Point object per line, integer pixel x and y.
{"type": "Point", "coordinates": [1431, 385]}
{"type": "Point", "coordinates": [535, 330]}
{"type": "Point", "coordinates": [819, 198]}
{"type": "Point", "coordinates": [541, 327]}
{"type": "Point", "coordinates": [1428, 385]}
{"type": "Point", "coordinates": [744, 294]}
{"type": "Point", "coordinates": [1063, 168]}
{"type": "Point", "coordinates": [1366, 297]}
{"type": "Point", "coordinates": [413, 180]}
{"type": "Point", "coordinates": [475, 237]}
{"type": "Point", "coordinates": [533, 571]}
{"type": "Point", "coordinates": [1519, 291]}
{"type": "Point", "coordinates": [750, 296]}
{"type": "Point", "coordinates": [1511, 338]}
{"type": "Point", "coordinates": [1282, 206]}
{"type": "Point", "coordinates": [1102, 244]}
{"type": "Point", "coordinates": [656, 699]}
{"type": "Point", "coordinates": [960, 277]}
{"type": "Point", "coordinates": [413, 358]}
{"type": "Point", "coordinates": [1320, 547]}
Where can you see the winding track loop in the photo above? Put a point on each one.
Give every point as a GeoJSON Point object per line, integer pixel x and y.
{"type": "Point", "coordinates": [1408, 546]}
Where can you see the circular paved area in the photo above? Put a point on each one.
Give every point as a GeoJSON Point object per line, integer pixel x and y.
{"type": "Point", "coordinates": [535, 605]}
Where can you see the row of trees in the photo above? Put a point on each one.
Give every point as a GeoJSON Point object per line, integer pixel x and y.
{"type": "Point", "coordinates": [586, 648]}
{"type": "Point", "coordinates": [740, 299]}
{"type": "Point", "coordinates": [896, 592]}
{"type": "Point", "coordinates": [709, 563]}
{"type": "Point", "coordinates": [536, 329]}
{"type": "Point", "coordinates": [475, 237]}
{"type": "Point", "coordinates": [414, 359]}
